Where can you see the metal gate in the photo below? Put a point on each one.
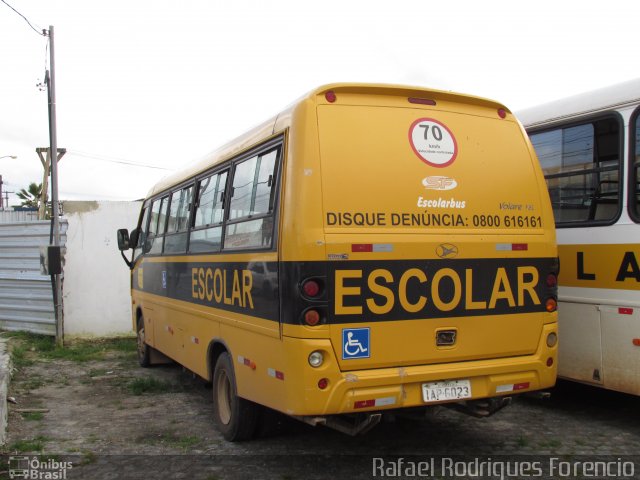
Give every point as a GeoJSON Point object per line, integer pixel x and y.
{"type": "Point", "coordinates": [26, 298]}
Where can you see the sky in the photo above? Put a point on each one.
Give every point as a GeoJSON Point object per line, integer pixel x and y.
{"type": "Point", "coordinates": [146, 87]}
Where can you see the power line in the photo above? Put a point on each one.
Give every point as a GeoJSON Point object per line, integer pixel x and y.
{"type": "Point", "coordinates": [25, 19]}
{"type": "Point", "coordinates": [122, 161]}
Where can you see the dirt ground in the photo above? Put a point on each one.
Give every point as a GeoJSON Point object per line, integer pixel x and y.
{"type": "Point", "coordinates": [97, 403]}
{"type": "Point", "coordinates": [91, 404]}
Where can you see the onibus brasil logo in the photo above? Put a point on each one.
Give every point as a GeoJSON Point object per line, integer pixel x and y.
{"type": "Point", "coordinates": [34, 468]}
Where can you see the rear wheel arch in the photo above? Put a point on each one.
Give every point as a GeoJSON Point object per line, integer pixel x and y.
{"type": "Point", "coordinates": [216, 348]}
{"type": "Point", "coordinates": [143, 350]}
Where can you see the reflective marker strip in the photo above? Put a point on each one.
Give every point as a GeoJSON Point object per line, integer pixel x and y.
{"type": "Point", "coordinates": [378, 402]}
{"type": "Point", "coordinates": [372, 247]}
{"type": "Point", "coordinates": [504, 388]}
{"type": "Point", "coordinates": [625, 311]}
{"type": "Point", "coordinates": [381, 402]}
{"type": "Point", "coordinates": [508, 247]}
{"type": "Point", "coordinates": [275, 373]}
{"type": "Point", "coordinates": [245, 361]}
{"type": "Point", "coordinates": [512, 387]}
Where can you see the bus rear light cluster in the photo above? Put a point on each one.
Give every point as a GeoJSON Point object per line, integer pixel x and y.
{"type": "Point", "coordinates": [552, 339]}
{"type": "Point", "coordinates": [313, 302]}
{"type": "Point", "coordinates": [551, 302]}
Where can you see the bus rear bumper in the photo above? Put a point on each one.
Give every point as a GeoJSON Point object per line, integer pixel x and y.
{"type": "Point", "coordinates": [404, 387]}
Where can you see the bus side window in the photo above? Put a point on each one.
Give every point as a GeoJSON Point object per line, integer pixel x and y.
{"type": "Point", "coordinates": [251, 208]}
{"type": "Point", "coordinates": [581, 165]}
{"type": "Point", "coordinates": [142, 236]}
{"type": "Point", "coordinates": [206, 233]}
{"type": "Point", "coordinates": [178, 221]}
{"type": "Point", "coordinates": [634, 200]}
{"type": "Point", "coordinates": [157, 225]}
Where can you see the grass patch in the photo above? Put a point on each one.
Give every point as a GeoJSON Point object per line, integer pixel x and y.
{"type": "Point", "coordinates": [88, 458]}
{"type": "Point", "coordinates": [99, 372]}
{"type": "Point", "coordinates": [185, 442]}
{"type": "Point", "coordinates": [30, 345]}
{"type": "Point", "coordinates": [19, 356]}
{"type": "Point", "coordinates": [33, 416]}
{"type": "Point", "coordinates": [32, 382]}
{"type": "Point", "coordinates": [32, 445]}
{"type": "Point", "coordinates": [122, 344]}
{"type": "Point", "coordinates": [138, 386]}
{"type": "Point", "coordinates": [552, 443]}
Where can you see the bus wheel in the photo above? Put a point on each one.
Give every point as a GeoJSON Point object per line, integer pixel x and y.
{"type": "Point", "coordinates": [235, 417]}
{"type": "Point", "coordinates": [144, 350]}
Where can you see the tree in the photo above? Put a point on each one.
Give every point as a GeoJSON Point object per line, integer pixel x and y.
{"type": "Point", "coordinates": [31, 196]}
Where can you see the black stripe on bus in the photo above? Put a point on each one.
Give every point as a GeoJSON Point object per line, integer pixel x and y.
{"type": "Point", "coordinates": [357, 291]}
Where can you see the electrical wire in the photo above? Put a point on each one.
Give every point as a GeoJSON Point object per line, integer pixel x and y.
{"type": "Point", "coordinates": [42, 34]}
{"type": "Point", "coordinates": [122, 161]}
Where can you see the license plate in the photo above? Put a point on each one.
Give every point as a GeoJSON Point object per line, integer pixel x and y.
{"type": "Point", "coordinates": [447, 390]}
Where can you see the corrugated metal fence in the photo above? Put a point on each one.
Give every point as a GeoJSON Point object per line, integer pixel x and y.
{"type": "Point", "coordinates": [11, 216]}
{"type": "Point", "coordinates": [26, 300]}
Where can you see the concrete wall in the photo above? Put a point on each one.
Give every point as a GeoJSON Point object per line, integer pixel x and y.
{"type": "Point", "coordinates": [96, 288]}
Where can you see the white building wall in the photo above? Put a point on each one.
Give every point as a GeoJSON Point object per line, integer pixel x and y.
{"type": "Point", "coordinates": [96, 288]}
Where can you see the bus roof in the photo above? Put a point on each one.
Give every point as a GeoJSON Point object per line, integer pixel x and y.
{"type": "Point", "coordinates": [614, 96]}
{"type": "Point", "coordinates": [283, 119]}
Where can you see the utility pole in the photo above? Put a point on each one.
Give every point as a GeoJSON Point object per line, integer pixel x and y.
{"type": "Point", "coordinates": [6, 198]}
{"type": "Point", "coordinates": [53, 140]}
{"type": "Point", "coordinates": [46, 164]}
{"type": "Point", "coordinates": [1, 205]}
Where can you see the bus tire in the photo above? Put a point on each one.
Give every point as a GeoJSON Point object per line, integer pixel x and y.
{"type": "Point", "coordinates": [144, 350]}
{"type": "Point", "coordinates": [235, 417]}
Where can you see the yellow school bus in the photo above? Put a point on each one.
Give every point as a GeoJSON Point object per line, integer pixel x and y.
{"type": "Point", "coordinates": [370, 249]}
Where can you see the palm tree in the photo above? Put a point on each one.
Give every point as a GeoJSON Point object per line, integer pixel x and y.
{"type": "Point", "coordinates": [30, 197]}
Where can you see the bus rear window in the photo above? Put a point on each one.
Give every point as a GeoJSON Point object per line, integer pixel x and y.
{"type": "Point", "coordinates": [396, 168]}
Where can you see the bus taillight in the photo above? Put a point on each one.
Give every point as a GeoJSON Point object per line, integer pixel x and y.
{"type": "Point", "coordinates": [422, 101]}
{"type": "Point", "coordinates": [551, 305]}
{"type": "Point", "coordinates": [552, 280]}
{"type": "Point", "coordinates": [312, 317]}
{"type": "Point", "coordinates": [311, 288]}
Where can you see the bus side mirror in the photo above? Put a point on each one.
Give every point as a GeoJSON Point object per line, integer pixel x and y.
{"type": "Point", "coordinates": [124, 242]}
{"type": "Point", "coordinates": [133, 237]}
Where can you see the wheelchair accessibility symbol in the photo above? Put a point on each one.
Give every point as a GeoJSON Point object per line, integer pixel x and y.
{"type": "Point", "coordinates": [355, 343]}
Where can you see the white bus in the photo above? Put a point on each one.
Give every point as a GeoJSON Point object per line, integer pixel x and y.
{"type": "Point", "coordinates": [589, 149]}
